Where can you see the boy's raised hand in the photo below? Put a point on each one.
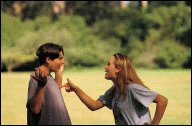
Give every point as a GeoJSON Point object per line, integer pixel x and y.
{"type": "Point", "coordinates": [62, 67]}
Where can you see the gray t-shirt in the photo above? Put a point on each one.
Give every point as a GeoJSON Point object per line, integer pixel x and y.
{"type": "Point", "coordinates": [134, 109]}
{"type": "Point", "coordinates": [54, 111]}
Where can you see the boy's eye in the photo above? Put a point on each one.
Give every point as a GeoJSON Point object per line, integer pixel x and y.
{"type": "Point", "coordinates": [60, 58]}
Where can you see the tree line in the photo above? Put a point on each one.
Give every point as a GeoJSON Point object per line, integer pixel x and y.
{"type": "Point", "coordinates": [153, 34]}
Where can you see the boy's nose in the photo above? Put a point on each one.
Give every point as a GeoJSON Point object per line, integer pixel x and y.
{"type": "Point", "coordinates": [62, 61]}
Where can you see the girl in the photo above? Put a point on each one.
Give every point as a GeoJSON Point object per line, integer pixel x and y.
{"type": "Point", "coordinates": [129, 98]}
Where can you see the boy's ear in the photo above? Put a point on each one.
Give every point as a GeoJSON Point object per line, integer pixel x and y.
{"type": "Point", "coordinates": [47, 60]}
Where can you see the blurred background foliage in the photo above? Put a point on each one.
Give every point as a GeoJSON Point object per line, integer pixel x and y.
{"type": "Point", "coordinates": [153, 34]}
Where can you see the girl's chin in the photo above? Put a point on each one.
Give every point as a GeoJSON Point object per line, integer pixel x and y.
{"type": "Point", "coordinates": [107, 77]}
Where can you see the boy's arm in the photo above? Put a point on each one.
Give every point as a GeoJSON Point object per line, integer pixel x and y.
{"type": "Point", "coordinates": [38, 98]}
{"type": "Point", "coordinates": [58, 76]}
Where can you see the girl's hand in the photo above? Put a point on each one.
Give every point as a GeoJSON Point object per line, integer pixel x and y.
{"type": "Point", "coordinates": [69, 86]}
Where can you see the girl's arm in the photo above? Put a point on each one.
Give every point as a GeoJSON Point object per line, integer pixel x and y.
{"type": "Point", "coordinates": [88, 101]}
{"type": "Point", "coordinates": [161, 102]}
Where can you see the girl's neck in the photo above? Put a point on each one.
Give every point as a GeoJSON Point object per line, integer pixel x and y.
{"type": "Point", "coordinates": [115, 82]}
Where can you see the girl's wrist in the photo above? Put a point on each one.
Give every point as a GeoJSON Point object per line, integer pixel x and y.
{"type": "Point", "coordinates": [76, 89]}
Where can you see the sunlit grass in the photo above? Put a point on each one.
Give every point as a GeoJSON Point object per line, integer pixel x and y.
{"type": "Point", "coordinates": [173, 84]}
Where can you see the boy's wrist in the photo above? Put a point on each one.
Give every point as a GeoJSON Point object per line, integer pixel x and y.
{"type": "Point", "coordinates": [42, 82]}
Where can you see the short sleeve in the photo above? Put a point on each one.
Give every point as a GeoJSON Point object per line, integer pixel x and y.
{"type": "Point", "coordinates": [142, 94]}
{"type": "Point", "coordinates": [106, 99]}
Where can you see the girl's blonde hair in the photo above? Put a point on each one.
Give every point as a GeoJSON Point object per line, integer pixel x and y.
{"type": "Point", "coordinates": [127, 73]}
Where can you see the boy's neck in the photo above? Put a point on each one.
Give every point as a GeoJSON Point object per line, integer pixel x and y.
{"type": "Point", "coordinates": [45, 69]}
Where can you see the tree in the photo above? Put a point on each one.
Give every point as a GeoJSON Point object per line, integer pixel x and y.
{"type": "Point", "coordinates": [172, 22]}
{"type": "Point", "coordinates": [92, 10]}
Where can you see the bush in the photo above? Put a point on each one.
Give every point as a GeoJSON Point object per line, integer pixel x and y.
{"type": "Point", "coordinates": [13, 57]}
{"type": "Point", "coordinates": [90, 52]}
{"type": "Point", "coordinates": [80, 46]}
{"type": "Point", "coordinates": [3, 67]}
{"type": "Point", "coordinates": [187, 63]}
{"type": "Point", "coordinates": [171, 55]}
{"type": "Point", "coordinates": [13, 29]}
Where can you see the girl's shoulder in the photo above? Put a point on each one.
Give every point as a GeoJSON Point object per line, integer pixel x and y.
{"type": "Point", "coordinates": [133, 86]}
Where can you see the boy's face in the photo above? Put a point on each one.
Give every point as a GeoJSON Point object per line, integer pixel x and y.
{"type": "Point", "coordinates": [54, 65]}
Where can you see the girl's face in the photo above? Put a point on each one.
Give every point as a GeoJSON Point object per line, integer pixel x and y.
{"type": "Point", "coordinates": [111, 71]}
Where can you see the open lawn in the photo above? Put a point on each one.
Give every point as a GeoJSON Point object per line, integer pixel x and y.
{"type": "Point", "coordinates": [173, 84]}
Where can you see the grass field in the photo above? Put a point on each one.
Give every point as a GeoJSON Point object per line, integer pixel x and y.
{"type": "Point", "coordinates": [174, 84]}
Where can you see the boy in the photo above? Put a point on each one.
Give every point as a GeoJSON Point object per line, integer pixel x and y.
{"type": "Point", "coordinates": [45, 104]}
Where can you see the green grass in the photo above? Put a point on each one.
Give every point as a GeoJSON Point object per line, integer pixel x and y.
{"type": "Point", "coordinates": [173, 84]}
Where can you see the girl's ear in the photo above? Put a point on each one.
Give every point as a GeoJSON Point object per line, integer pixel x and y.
{"type": "Point", "coordinates": [118, 69]}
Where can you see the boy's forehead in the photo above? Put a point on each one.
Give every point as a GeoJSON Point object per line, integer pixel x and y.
{"type": "Point", "coordinates": [61, 54]}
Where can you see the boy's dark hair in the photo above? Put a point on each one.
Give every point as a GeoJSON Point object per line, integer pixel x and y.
{"type": "Point", "coordinates": [48, 50]}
